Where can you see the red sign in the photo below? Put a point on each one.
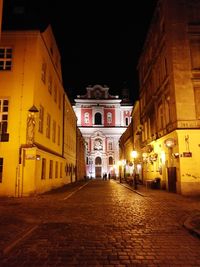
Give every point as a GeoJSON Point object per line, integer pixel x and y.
{"type": "Point", "coordinates": [187, 154]}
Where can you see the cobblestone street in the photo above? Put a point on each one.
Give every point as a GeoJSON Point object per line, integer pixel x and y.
{"type": "Point", "coordinates": [98, 223]}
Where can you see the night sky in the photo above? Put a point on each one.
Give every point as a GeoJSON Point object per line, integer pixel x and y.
{"type": "Point", "coordinates": [100, 41]}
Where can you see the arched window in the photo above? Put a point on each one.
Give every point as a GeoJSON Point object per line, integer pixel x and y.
{"type": "Point", "coordinates": [98, 119]}
{"type": "Point", "coordinates": [110, 161]}
{"type": "Point", "coordinates": [86, 117]}
{"type": "Point", "coordinates": [98, 161]}
{"type": "Point", "coordinates": [109, 117]}
{"type": "Point", "coordinates": [110, 146]}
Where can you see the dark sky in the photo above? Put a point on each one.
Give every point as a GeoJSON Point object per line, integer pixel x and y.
{"type": "Point", "coordinates": [100, 41]}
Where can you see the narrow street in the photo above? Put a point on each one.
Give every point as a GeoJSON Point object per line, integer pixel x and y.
{"type": "Point", "coordinates": [98, 223]}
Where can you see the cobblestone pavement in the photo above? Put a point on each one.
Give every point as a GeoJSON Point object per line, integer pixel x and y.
{"type": "Point", "coordinates": [98, 223]}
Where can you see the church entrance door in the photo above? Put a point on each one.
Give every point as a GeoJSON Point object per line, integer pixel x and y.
{"type": "Point", "coordinates": [98, 172]}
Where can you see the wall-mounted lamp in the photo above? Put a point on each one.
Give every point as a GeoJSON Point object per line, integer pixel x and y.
{"type": "Point", "coordinates": [176, 155]}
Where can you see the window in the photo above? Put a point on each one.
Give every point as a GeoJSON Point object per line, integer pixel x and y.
{"type": "Point", "coordinates": [54, 131]}
{"type": "Point", "coordinates": [197, 101]}
{"type": "Point", "coordinates": [44, 72]}
{"type": "Point", "coordinates": [160, 117]}
{"type": "Point", "coordinates": [195, 53]}
{"type": "Point", "coordinates": [110, 146]}
{"type": "Point", "coordinates": [41, 119]}
{"type": "Point", "coordinates": [3, 115]}
{"type": "Point", "coordinates": [109, 117]}
{"type": "Point", "coordinates": [110, 161]}
{"type": "Point", "coordinates": [98, 119]}
{"type": "Point", "coordinates": [48, 129]}
{"type": "Point", "coordinates": [51, 169]}
{"type": "Point", "coordinates": [1, 169]}
{"type": "Point", "coordinates": [86, 117]}
{"type": "Point", "coordinates": [56, 170]}
{"type": "Point", "coordinates": [55, 93]}
{"type": "Point", "coordinates": [61, 167]}
{"type": "Point", "coordinates": [43, 173]}
{"type": "Point", "coordinates": [167, 110]}
{"type": "Point", "coordinates": [126, 121]}
{"type": "Point", "coordinates": [59, 100]}
{"type": "Point", "coordinates": [58, 135]}
{"type": "Point", "coordinates": [50, 84]}
{"type": "Point", "coordinates": [98, 161]}
{"type": "Point", "coordinates": [5, 58]}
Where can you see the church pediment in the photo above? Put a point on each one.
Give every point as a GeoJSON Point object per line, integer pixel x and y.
{"type": "Point", "coordinates": [98, 92]}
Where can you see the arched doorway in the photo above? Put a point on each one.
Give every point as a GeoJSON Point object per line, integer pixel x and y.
{"type": "Point", "coordinates": [98, 163]}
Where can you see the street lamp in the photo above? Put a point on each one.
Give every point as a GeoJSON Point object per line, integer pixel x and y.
{"type": "Point", "coordinates": [30, 130]}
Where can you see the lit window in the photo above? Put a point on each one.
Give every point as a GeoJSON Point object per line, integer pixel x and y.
{"type": "Point", "coordinates": [5, 58]}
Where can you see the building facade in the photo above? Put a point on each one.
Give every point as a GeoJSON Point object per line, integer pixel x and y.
{"type": "Point", "coordinates": [37, 150]}
{"type": "Point", "coordinates": [102, 118]}
{"type": "Point", "coordinates": [169, 95]}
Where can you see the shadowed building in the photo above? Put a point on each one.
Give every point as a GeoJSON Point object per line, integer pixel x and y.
{"type": "Point", "coordinates": [169, 94]}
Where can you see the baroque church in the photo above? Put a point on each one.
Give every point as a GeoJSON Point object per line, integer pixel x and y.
{"type": "Point", "coordinates": [102, 118]}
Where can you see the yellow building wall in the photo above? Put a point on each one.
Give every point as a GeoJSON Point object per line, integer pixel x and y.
{"type": "Point", "coordinates": [189, 141]}
{"type": "Point", "coordinates": [187, 168]}
{"type": "Point", "coordinates": [70, 122]}
{"type": "Point", "coordinates": [23, 87]}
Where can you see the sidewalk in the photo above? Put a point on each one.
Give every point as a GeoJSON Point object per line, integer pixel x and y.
{"type": "Point", "coordinates": [191, 223]}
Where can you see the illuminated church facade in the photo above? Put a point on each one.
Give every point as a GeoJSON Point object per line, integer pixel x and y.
{"type": "Point", "coordinates": [102, 118]}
